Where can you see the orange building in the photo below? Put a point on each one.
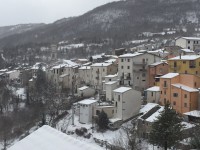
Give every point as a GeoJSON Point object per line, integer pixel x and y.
{"type": "Point", "coordinates": [156, 70]}
{"type": "Point", "coordinates": [181, 90]}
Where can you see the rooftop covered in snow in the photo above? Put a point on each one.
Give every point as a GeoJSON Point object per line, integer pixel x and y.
{"type": "Point", "coordinates": [184, 87]}
{"type": "Point", "coordinates": [122, 89]}
{"type": "Point", "coordinates": [48, 138]}
{"type": "Point", "coordinates": [191, 38]}
{"type": "Point", "coordinates": [148, 107]}
{"type": "Point", "coordinates": [83, 88]}
{"type": "Point", "coordinates": [101, 64]}
{"type": "Point", "coordinates": [170, 75]}
{"type": "Point", "coordinates": [87, 101]}
{"type": "Point", "coordinates": [186, 57]}
{"type": "Point", "coordinates": [130, 55]}
{"type": "Point", "coordinates": [154, 89]}
{"type": "Point", "coordinates": [194, 113]}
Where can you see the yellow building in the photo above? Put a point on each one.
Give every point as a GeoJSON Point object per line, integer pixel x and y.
{"type": "Point", "coordinates": [187, 64]}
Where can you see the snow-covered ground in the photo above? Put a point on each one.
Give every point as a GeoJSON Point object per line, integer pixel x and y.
{"type": "Point", "coordinates": [65, 125]}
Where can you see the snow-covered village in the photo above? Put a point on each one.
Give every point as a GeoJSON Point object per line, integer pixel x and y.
{"type": "Point", "coordinates": [112, 78]}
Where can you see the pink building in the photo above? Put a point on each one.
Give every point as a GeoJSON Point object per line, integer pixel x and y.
{"type": "Point", "coordinates": [156, 70]}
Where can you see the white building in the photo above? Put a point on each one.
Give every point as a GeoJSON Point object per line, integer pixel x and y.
{"type": "Point", "coordinates": [127, 102]}
{"type": "Point", "coordinates": [153, 94]}
{"type": "Point", "coordinates": [86, 91]}
{"type": "Point", "coordinates": [85, 75]}
{"type": "Point", "coordinates": [192, 43]}
{"type": "Point", "coordinates": [109, 87]}
{"type": "Point", "coordinates": [99, 71]}
{"type": "Point", "coordinates": [132, 69]}
{"type": "Point", "coordinates": [86, 110]}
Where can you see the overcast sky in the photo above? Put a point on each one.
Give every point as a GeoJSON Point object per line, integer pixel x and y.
{"type": "Point", "coordinates": [43, 11]}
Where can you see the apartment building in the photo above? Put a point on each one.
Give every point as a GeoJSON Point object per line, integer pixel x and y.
{"type": "Point", "coordinates": [99, 71]}
{"type": "Point", "coordinates": [132, 69]}
{"type": "Point", "coordinates": [127, 102]}
{"type": "Point", "coordinates": [156, 70]}
{"type": "Point", "coordinates": [85, 74]}
{"type": "Point", "coordinates": [187, 64]}
{"type": "Point", "coordinates": [192, 43]}
{"type": "Point", "coordinates": [180, 90]}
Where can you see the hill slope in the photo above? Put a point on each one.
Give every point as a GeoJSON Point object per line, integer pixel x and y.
{"type": "Point", "coordinates": [120, 20]}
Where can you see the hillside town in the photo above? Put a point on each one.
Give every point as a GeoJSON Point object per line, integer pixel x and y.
{"type": "Point", "coordinates": [131, 86]}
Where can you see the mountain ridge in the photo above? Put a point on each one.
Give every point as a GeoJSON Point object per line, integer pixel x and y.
{"type": "Point", "coordinates": [121, 20]}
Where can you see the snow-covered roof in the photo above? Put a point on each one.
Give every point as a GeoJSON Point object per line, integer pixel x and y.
{"type": "Point", "coordinates": [59, 66]}
{"type": "Point", "coordinates": [111, 82]}
{"type": "Point", "coordinates": [82, 59]}
{"type": "Point", "coordinates": [48, 138]}
{"type": "Point", "coordinates": [87, 64]}
{"type": "Point", "coordinates": [122, 89]}
{"type": "Point", "coordinates": [130, 55]}
{"type": "Point", "coordinates": [184, 87]}
{"type": "Point", "coordinates": [154, 116]}
{"type": "Point", "coordinates": [9, 72]}
{"type": "Point", "coordinates": [70, 63]}
{"type": "Point", "coordinates": [191, 38]}
{"type": "Point", "coordinates": [101, 64]}
{"type": "Point", "coordinates": [154, 89]}
{"type": "Point", "coordinates": [148, 107]}
{"type": "Point", "coordinates": [186, 57]}
{"type": "Point", "coordinates": [3, 70]}
{"type": "Point", "coordinates": [87, 101]}
{"type": "Point", "coordinates": [170, 75]}
{"type": "Point", "coordinates": [111, 76]}
{"type": "Point", "coordinates": [194, 113]}
{"type": "Point", "coordinates": [187, 50]}
{"type": "Point", "coordinates": [85, 68]}
{"type": "Point", "coordinates": [157, 63]}
{"type": "Point", "coordinates": [83, 88]}
{"type": "Point", "coordinates": [110, 61]}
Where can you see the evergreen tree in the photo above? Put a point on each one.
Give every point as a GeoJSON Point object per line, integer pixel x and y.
{"type": "Point", "coordinates": [102, 120]}
{"type": "Point", "coordinates": [166, 131]}
{"type": "Point", "coordinates": [195, 140]}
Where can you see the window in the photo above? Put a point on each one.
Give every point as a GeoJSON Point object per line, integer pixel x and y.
{"type": "Point", "coordinates": [164, 92]}
{"type": "Point", "coordinates": [122, 67]}
{"type": "Point", "coordinates": [174, 103]}
{"type": "Point", "coordinates": [152, 94]}
{"type": "Point", "coordinates": [160, 92]}
{"type": "Point", "coordinates": [143, 74]}
{"type": "Point", "coordinates": [165, 83]}
{"type": "Point", "coordinates": [188, 42]}
{"type": "Point", "coordinates": [175, 64]}
{"type": "Point", "coordinates": [128, 67]}
{"type": "Point", "coordinates": [185, 96]}
{"type": "Point", "coordinates": [116, 104]}
{"type": "Point", "coordinates": [128, 60]}
{"type": "Point", "coordinates": [184, 62]}
{"type": "Point", "coordinates": [122, 60]}
{"type": "Point", "coordinates": [118, 97]}
{"type": "Point", "coordinates": [185, 71]}
{"type": "Point", "coordinates": [196, 72]}
{"type": "Point", "coordinates": [165, 101]}
{"type": "Point", "coordinates": [175, 94]}
{"type": "Point", "coordinates": [188, 47]}
{"type": "Point", "coordinates": [103, 70]}
{"type": "Point", "coordinates": [195, 84]}
{"type": "Point", "coordinates": [57, 71]}
{"type": "Point", "coordinates": [109, 79]}
{"type": "Point", "coordinates": [185, 104]}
